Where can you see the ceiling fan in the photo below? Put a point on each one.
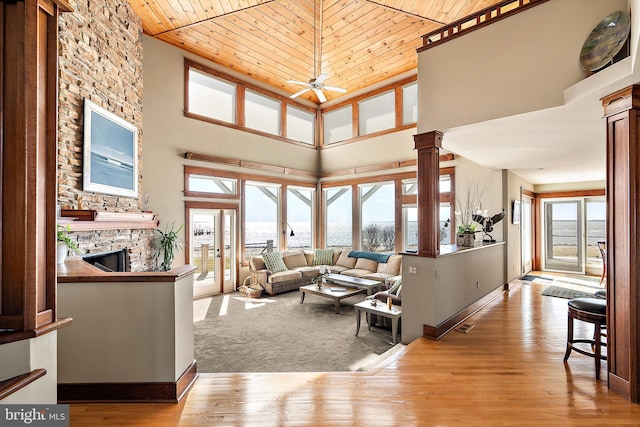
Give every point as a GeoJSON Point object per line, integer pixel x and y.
{"type": "Point", "coordinates": [316, 84]}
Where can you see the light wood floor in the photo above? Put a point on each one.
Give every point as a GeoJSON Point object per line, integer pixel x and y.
{"type": "Point", "coordinates": [507, 370]}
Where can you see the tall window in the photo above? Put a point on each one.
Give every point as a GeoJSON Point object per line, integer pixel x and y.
{"type": "Point", "coordinates": [338, 125]}
{"type": "Point", "coordinates": [261, 217]}
{"type": "Point", "coordinates": [300, 125]}
{"type": "Point", "coordinates": [211, 184]}
{"type": "Point", "coordinates": [377, 209]}
{"type": "Point", "coordinates": [211, 97]}
{"type": "Point", "coordinates": [377, 113]}
{"type": "Point", "coordinates": [299, 218]}
{"type": "Point", "coordinates": [410, 103]}
{"type": "Point", "coordinates": [262, 113]}
{"type": "Point", "coordinates": [338, 224]}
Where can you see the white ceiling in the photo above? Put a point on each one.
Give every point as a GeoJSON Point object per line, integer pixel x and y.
{"type": "Point", "coordinates": [558, 145]}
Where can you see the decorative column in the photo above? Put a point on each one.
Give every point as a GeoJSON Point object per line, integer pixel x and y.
{"type": "Point", "coordinates": [428, 145]}
{"type": "Point", "coordinates": [622, 111]}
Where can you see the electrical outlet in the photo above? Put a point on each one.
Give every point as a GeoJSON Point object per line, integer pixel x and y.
{"type": "Point", "coordinates": [413, 269]}
{"type": "Point", "coordinates": [437, 273]}
{"type": "Point", "coordinates": [477, 284]}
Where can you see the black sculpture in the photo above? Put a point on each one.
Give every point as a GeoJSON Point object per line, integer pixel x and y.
{"type": "Point", "coordinates": [487, 224]}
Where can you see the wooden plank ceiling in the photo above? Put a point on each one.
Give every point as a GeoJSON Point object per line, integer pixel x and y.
{"type": "Point", "coordinates": [358, 42]}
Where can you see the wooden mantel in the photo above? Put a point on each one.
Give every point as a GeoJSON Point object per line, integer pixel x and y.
{"type": "Point", "coordinates": [90, 220]}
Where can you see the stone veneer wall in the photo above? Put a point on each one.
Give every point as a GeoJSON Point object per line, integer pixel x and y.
{"type": "Point", "coordinates": [101, 60]}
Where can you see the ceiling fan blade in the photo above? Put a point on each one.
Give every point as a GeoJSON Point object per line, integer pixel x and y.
{"type": "Point", "coordinates": [300, 92]}
{"type": "Point", "coordinates": [335, 89]}
{"type": "Point", "coordinates": [297, 82]}
{"type": "Point", "coordinates": [320, 95]}
{"type": "Point", "coordinates": [321, 78]}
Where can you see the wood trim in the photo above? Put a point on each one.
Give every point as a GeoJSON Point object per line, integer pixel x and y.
{"type": "Point", "coordinates": [399, 242]}
{"type": "Point", "coordinates": [12, 385]}
{"type": "Point", "coordinates": [482, 18]}
{"type": "Point", "coordinates": [240, 109]}
{"type": "Point", "coordinates": [112, 225]}
{"type": "Point", "coordinates": [437, 332]}
{"type": "Point", "coordinates": [212, 195]}
{"type": "Point", "coordinates": [75, 271]}
{"type": "Point", "coordinates": [355, 217]}
{"type": "Point", "coordinates": [190, 155]}
{"type": "Point", "coordinates": [167, 392]}
{"type": "Point", "coordinates": [7, 337]}
{"type": "Point", "coordinates": [573, 193]}
{"type": "Point", "coordinates": [367, 180]}
{"type": "Point", "coordinates": [528, 193]}
{"type": "Point", "coordinates": [371, 168]}
{"type": "Point", "coordinates": [399, 96]}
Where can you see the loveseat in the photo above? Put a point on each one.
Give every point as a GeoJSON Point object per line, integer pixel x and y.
{"type": "Point", "coordinates": [279, 272]}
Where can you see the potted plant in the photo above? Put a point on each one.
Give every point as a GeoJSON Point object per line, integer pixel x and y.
{"type": "Point", "coordinates": [64, 243]}
{"type": "Point", "coordinates": [470, 205]}
{"type": "Point", "coordinates": [166, 243]}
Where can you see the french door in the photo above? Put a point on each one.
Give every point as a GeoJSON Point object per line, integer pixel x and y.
{"type": "Point", "coordinates": [212, 250]}
{"type": "Point", "coordinates": [563, 235]}
{"type": "Point", "coordinates": [526, 224]}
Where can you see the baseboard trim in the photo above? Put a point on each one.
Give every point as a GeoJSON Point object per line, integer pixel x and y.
{"type": "Point", "coordinates": [437, 332]}
{"type": "Point", "coordinates": [621, 387]}
{"type": "Point", "coordinates": [161, 392]}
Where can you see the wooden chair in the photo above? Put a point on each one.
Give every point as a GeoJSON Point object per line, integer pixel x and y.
{"type": "Point", "coordinates": [591, 310]}
{"type": "Point", "coordinates": [603, 253]}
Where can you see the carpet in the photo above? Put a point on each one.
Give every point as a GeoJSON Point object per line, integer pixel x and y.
{"type": "Point", "coordinates": [573, 286]}
{"type": "Point", "coordinates": [278, 334]}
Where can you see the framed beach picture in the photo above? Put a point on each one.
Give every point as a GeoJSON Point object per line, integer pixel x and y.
{"type": "Point", "coordinates": [516, 212]}
{"type": "Point", "coordinates": [110, 153]}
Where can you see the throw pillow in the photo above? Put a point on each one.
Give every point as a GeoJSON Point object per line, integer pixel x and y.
{"type": "Point", "coordinates": [323, 257]}
{"type": "Point", "coordinates": [395, 288]}
{"type": "Point", "coordinates": [274, 262]}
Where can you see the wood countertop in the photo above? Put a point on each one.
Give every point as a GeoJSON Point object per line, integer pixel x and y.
{"type": "Point", "coordinates": [78, 271]}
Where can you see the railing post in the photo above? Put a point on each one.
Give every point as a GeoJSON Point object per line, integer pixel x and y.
{"type": "Point", "coordinates": [204, 256]}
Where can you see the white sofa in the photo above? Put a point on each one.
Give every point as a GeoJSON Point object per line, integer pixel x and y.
{"type": "Point", "coordinates": [302, 267]}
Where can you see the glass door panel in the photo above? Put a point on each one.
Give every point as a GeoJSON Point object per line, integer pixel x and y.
{"type": "Point", "coordinates": [526, 223]}
{"type": "Point", "coordinates": [205, 225]}
{"type": "Point", "coordinates": [563, 235]}
{"type": "Point", "coordinates": [596, 232]}
{"type": "Point", "coordinates": [229, 251]}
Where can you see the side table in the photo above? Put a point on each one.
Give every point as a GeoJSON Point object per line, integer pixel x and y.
{"type": "Point", "coordinates": [380, 309]}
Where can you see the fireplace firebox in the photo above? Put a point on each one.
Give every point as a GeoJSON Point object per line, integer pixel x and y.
{"type": "Point", "coordinates": [110, 261]}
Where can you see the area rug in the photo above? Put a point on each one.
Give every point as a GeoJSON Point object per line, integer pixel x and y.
{"type": "Point", "coordinates": [572, 286]}
{"type": "Point", "coordinates": [278, 334]}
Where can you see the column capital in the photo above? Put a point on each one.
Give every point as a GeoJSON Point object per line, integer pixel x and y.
{"type": "Point", "coordinates": [432, 139]}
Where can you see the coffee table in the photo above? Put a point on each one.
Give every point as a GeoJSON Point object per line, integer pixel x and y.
{"type": "Point", "coordinates": [380, 309]}
{"type": "Point", "coordinates": [357, 282]}
{"type": "Point", "coordinates": [332, 292]}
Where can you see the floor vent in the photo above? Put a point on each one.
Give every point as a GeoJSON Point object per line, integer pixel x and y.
{"type": "Point", "coordinates": [465, 327]}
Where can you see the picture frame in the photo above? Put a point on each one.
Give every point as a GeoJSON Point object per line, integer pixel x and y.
{"type": "Point", "coordinates": [110, 162]}
{"type": "Point", "coordinates": [516, 212]}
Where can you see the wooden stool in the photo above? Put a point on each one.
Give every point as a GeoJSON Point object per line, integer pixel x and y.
{"type": "Point", "coordinates": [591, 310]}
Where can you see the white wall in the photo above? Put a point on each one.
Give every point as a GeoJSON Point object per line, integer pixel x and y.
{"type": "Point", "coordinates": [475, 78]}
{"type": "Point", "coordinates": [396, 146]}
{"type": "Point", "coordinates": [21, 357]}
{"type": "Point", "coordinates": [125, 331]}
{"type": "Point", "coordinates": [468, 173]}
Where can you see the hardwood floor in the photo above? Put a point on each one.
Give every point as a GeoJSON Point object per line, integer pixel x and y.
{"type": "Point", "coordinates": [507, 370]}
